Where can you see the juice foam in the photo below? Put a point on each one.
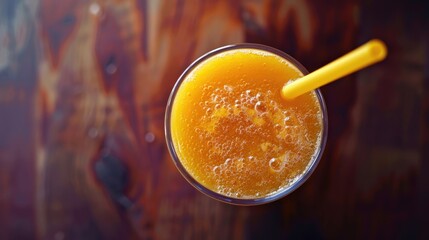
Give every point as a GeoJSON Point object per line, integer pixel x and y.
{"type": "Point", "coordinates": [234, 133]}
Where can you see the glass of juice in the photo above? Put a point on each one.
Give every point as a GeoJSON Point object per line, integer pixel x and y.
{"type": "Point", "coordinates": [232, 135]}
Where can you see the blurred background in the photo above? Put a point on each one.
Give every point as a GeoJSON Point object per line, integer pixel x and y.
{"type": "Point", "coordinates": [83, 89]}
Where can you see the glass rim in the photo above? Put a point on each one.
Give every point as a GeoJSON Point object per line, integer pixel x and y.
{"type": "Point", "coordinates": [244, 201]}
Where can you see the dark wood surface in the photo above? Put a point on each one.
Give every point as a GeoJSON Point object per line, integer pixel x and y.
{"type": "Point", "coordinates": [83, 89]}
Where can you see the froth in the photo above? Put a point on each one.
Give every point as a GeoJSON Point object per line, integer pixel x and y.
{"type": "Point", "coordinates": [249, 137]}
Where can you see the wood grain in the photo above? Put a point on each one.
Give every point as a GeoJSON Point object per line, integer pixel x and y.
{"type": "Point", "coordinates": [83, 89]}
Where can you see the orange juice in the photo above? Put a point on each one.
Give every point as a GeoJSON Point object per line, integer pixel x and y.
{"type": "Point", "coordinates": [234, 134]}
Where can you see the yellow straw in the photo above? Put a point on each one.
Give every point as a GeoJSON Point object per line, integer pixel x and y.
{"type": "Point", "coordinates": [365, 55]}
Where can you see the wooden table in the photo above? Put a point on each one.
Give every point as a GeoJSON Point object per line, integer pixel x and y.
{"type": "Point", "coordinates": [83, 89]}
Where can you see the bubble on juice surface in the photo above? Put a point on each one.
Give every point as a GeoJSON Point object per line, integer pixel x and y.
{"type": "Point", "coordinates": [227, 161]}
{"type": "Point", "coordinates": [260, 107]}
{"type": "Point", "coordinates": [286, 120]}
{"type": "Point", "coordinates": [275, 164]}
{"type": "Point", "coordinates": [278, 164]}
{"type": "Point", "coordinates": [228, 88]}
{"type": "Point", "coordinates": [239, 164]}
{"type": "Point", "coordinates": [216, 170]}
